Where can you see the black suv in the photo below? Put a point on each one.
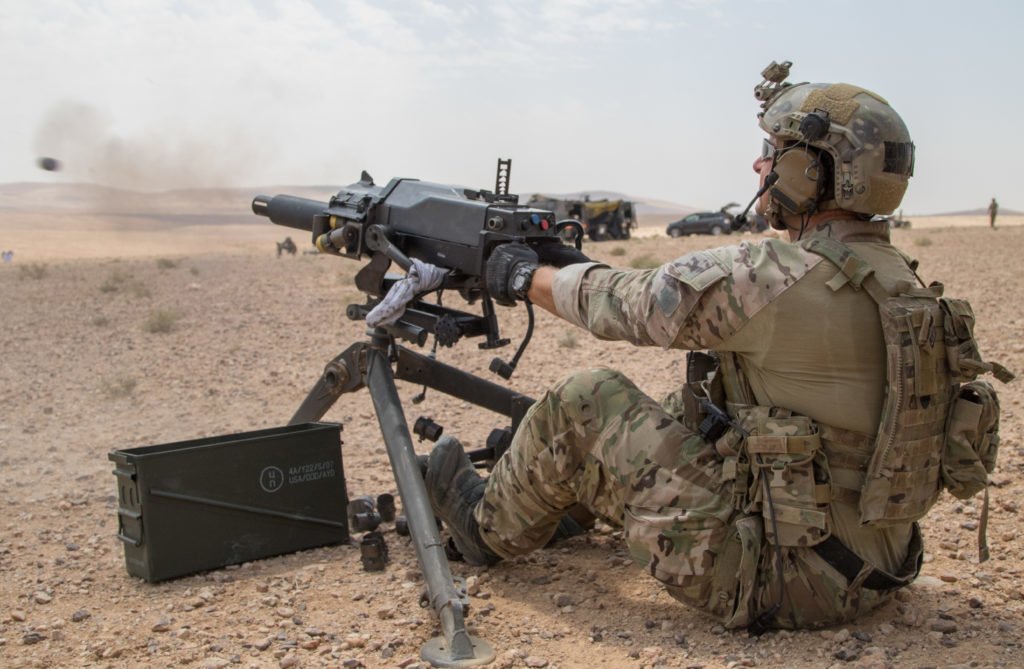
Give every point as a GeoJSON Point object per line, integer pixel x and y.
{"type": "Point", "coordinates": [715, 223]}
{"type": "Point", "coordinates": [702, 223]}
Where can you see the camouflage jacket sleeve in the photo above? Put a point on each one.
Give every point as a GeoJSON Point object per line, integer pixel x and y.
{"type": "Point", "coordinates": [697, 301]}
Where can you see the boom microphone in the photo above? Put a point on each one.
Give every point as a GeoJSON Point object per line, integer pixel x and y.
{"type": "Point", "coordinates": [741, 219]}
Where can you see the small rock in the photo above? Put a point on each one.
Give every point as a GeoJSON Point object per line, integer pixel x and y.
{"type": "Point", "coordinates": [846, 654]}
{"type": "Point", "coordinates": [885, 629]}
{"type": "Point", "coordinates": [289, 660]}
{"type": "Point", "coordinates": [942, 625]}
{"type": "Point", "coordinates": [264, 644]}
{"type": "Point", "coordinates": [32, 638]}
{"type": "Point", "coordinates": [563, 599]}
{"type": "Point", "coordinates": [80, 615]}
{"type": "Point", "coordinates": [161, 626]}
{"type": "Point", "coordinates": [18, 616]}
{"type": "Point", "coordinates": [862, 636]}
{"type": "Point", "coordinates": [742, 662]}
{"type": "Point", "coordinates": [215, 663]}
{"type": "Point", "coordinates": [948, 578]}
{"type": "Point", "coordinates": [841, 636]}
{"type": "Point", "coordinates": [352, 663]}
{"type": "Point", "coordinates": [41, 597]}
{"type": "Point", "coordinates": [718, 629]}
{"type": "Point", "coordinates": [923, 581]}
{"type": "Point", "coordinates": [356, 640]}
{"type": "Point", "coordinates": [975, 603]}
{"type": "Point", "coordinates": [536, 662]}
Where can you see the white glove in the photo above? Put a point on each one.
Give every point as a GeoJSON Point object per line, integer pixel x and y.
{"type": "Point", "coordinates": [421, 278]}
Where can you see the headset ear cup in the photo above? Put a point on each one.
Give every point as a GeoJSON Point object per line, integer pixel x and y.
{"type": "Point", "coordinates": [800, 181]}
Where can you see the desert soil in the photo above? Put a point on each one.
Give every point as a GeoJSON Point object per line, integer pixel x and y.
{"type": "Point", "coordinates": [83, 373]}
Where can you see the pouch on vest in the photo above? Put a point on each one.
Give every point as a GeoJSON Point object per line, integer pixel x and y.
{"type": "Point", "coordinates": [972, 440]}
{"type": "Point", "coordinates": [735, 582]}
{"type": "Point", "coordinates": [902, 480]}
{"type": "Point", "coordinates": [962, 354]}
{"type": "Point", "coordinates": [790, 480]}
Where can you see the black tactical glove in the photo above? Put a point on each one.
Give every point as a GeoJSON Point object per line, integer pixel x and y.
{"type": "Point", "coordinates": [553, 252]}
{"type": "Point", "coordinates": [509, 272]}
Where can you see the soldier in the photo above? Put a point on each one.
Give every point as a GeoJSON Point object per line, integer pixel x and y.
{"type": "Point", "coordinates": [993, 209]}
{"type": "Point", "coordinates": [758, 492]}
{"type": "Point", "coordinates": [287, 246]}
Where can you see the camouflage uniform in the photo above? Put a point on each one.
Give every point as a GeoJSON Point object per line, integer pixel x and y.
{"type": "Point", "coordinates": [596, 439]}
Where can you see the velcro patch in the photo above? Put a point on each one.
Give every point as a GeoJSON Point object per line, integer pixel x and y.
{"type": "Point", "coordinates": [697, 270]}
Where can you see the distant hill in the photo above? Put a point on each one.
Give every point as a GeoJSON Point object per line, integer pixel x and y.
{"type": "Point", "coordinates": [218, 204]}
{"type": "Point", "coordinates": [981, 211]}
{"type": "Point", "coordinates": [173, 206]}
{"type": "Point", "coordinates": [644, 206]}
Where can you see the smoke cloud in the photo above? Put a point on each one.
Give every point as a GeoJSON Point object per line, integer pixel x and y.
{"type": "Point", "coordinates": [81, 138]}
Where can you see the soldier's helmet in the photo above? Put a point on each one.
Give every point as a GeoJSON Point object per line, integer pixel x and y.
{"type": "Point", "coordinates": [870, 146]}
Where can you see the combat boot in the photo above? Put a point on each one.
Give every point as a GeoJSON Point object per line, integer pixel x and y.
{"type": "Point", "coordinates": [455, 489]}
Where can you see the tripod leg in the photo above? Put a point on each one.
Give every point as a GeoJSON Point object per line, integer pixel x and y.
{"type": "Point", "coordinates": [456, 648]}
{"type": "Point", "coordinates": [341, 375]}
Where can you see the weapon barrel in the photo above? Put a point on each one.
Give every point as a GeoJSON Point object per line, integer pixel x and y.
{"type": "Point", "coordinates": [288, 210]}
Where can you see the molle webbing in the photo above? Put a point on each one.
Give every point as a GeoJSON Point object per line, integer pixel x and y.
{"type": "Point", "coordinates": [902, 480]}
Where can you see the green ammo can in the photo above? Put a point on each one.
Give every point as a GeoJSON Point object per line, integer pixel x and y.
{"type": "Point", "coordinates": [195, 505]}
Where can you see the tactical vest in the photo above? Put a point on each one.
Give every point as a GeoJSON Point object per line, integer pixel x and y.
{"type": "Point", "coordinates": [938, 427]}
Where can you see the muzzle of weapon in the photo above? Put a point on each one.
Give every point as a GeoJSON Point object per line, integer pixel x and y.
{"type": "Point", "coordinates": [288, 210]}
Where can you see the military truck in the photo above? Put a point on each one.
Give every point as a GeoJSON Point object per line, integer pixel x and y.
{"type": "Point", "coordinates": [601, 219]}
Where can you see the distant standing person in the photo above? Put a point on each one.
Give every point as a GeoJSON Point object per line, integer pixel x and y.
{"type": "Point", "coordinates": [993, 209]}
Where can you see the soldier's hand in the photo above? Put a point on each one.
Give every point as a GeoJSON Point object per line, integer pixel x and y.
{"type": "Point", "coordinates": [553, 252]}
{"type": "Point", "coordinates": [509, 272]}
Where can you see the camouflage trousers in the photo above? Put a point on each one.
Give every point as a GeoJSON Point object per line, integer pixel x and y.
{"type": "Point", "coordinates": [597, 440]}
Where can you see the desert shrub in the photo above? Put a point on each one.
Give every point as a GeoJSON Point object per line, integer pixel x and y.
{"type": "Point", "coordinates": [568, 340]}
{"type": "Point", "coordinates": [922, 241]}
{"type": "Point", "coordinates": [617, 251]}
{"type": "Point", "coordinates": [115, 281]}
{"type": "Point", "coordinates": [166, 263]}
{"type": "Point", "coordinates": [644, 261]}
{"type": "Point", "coordinates": [100, 321]}
{"type": "Point", "coordinates": [161, 321]}
{"type": "Point", "coordinates": [32, 271]}
{"type": "Point", "coordinates": [139, 289]}
{"type": "Point", "coordinates": [121, 386]}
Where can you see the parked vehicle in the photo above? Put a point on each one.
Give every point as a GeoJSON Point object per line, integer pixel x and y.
{"type": "Point", "coordinates": [715, 223]}
{"type": "Point", "coordinates": [601, 219]}
{"type": "Point", "coordinates": [701, 223]}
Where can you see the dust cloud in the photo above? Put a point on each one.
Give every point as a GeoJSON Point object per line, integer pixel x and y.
{"type": "Point", "coordinates": [83, 139]}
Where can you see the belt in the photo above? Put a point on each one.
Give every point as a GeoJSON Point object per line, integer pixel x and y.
{"type": "Point", "coordinates": [849, 564]}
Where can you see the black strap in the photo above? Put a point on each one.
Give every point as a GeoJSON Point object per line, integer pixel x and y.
{"type": "Point", "coordinates": [849, 564]}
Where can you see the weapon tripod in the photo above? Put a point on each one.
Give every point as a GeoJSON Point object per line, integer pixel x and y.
{"type": "Point", "coordinates": [375, 364]}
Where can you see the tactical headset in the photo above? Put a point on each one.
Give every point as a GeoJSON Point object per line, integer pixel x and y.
{"type": "Point", "coordinates": [801, 176]}
{"type": "Point", "coordinates": [798, 179]}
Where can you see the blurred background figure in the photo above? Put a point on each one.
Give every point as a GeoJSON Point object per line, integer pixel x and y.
{"type": "Point", "coordinates": [993, 209]}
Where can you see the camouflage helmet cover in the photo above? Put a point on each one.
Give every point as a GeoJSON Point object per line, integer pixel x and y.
{"type": "Point", "coordinates": [868, 141]}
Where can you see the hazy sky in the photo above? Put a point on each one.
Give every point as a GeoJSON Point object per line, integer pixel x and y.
{"type": "Point", "coordinates": [648, 97]}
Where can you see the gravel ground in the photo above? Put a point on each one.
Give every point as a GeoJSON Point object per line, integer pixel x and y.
{"type": "Point", "coordinates": [86, 370]}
